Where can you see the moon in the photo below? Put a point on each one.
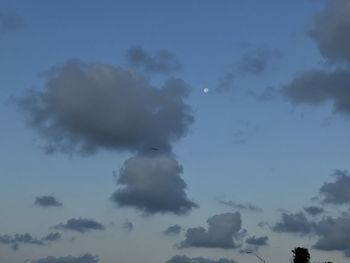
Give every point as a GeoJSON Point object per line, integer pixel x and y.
{"type": "Point", "coordinates": [205, 90]}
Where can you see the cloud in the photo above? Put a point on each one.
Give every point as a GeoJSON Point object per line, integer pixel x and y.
{"type": "Point", "coordinates": [86, 107]}
{"type": "Point", "coordinates": [256, 61]}
{"type": "Point", "coordinates": [17, 239]}
{"type": "Point", "coordinates": [47, 201]}
{"type": "Point", "coordinates": [128, 226]}
{"type": "Point", "coordinates": [172, 230]}
{"type": "Point", "coordinates": [185, 259]}
{"type": "Point", "coordinates": [80, 225]}
{"type": "Point", "coordinates": [249, 207]}
{"type": "Point", "coordinates": [334, 234]}
{"type": "Point", "coordinates": [314, 210]}
{"type": "Point", "coordinates": [257, 241]}
{"type": "Point", "coordinates": [161, 62]}
{"type": "Point", "coordinates": [87, 258]}
{"type": "Point", "coordinates": [9, 22]}
{"type": "Point", "coordinates": [294, 223]}
{"type": "Point", "coordinates": [331, 31]}
{"type": "Point", "coordinates": [226, 83]}
{"type": "Point", "coordinates": [338, 192]}
{"type": "Point", "coordinates": [223, 232]}
{"type": "Point", "coordinates": [318, 86]}
{"type": "Point", "coordinates": [52, 237]}
{"type": "Point", "coordinates": [152, 184]}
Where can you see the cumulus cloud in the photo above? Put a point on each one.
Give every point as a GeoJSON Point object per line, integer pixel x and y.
{"type": "Point", "coordinates": [223, 232]}
{"type": "Point", "coordinates": [86, 107]}
{"type": "Point", "coordinates": [294, 223]}
{"type": "Point", "coordinates": [17, 239]}
{"type": "Point", "coordinates": [337, 192]}
{"type": "Point", "coordinates": [314, 210]}
{"type": "Point", "coordinates": [153, 184]}
{"type": "Point", "coordinates": [257, 241]}
{"type": "Point", "coordinates": [172, 230]}
{"type": "Point", "coordinates": [318, 86]}
{"type": "Point", "coordinates": [331, 31]}
{"type": "Point", "coordinates": [80, 225]}
{"type": "Point", "coordinates": [47, 201]}
{"type": "Point", "coordinates": [9, 22]}
{"type": "Point", "coordinates": [334, 234]}
{"type": "Point", "coordinates": [234, 205]}
{"type": "Point", "coordinates": [256, 61]}
{"type": "Point", "coordinates": [162, 61]}
{"type": "Point", "coordinates": [87, 258]}
{"type": "Point", "coordinates": [128, 226]}
{"type": "Point", "coordinates": [185, 259]}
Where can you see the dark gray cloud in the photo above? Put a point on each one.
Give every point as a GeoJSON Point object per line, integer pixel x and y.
{"type": "Point", "coordinates": [331, 31]}
{"type": "Point", "coordinates": [314, 210]}
{"type": "Point", "coordinates": [337, 192]}
{"type": "Point", "coordinates": [80, 225]}
{"type": "Point", "coordinates": [334, 234]}
{"type": "Point", "coordinates": [294, 223]}
{"type": "Point", "coordinates": [47, 201]}
{"type": "Point", "coordinates": [86, 107]}
{"type": "Point", "coordinates": [249, 207]}
{"type": "Point", "coordinates": [22, 239]}
{"type": "Point", "coordinates": [153, 184]}
{"type": "Point", "coordinates": [87, 258]}
{"type": "Point", "coordinates": [223, 232]}
{"type": "Point", "coordinates": [172, 230]}
{"type": "Point", "coordinates": [160, 62]}
{"type": "Point", "coordinates": [256, 61]}
{"type": "Point", "coordinates": [257, 241]}
{"type": "Point", "coordinates": [318, 86]}
{"type": "Point", "coordinates": [128, 225]}
{"type": "Point", "coordinates": [17, 239]}
{"type": "Point", "coordinates": [52, 237]}
{"type": "Point", "coordinates": [9, 22]}
{"type": "Point", "coordinates": [185, 259]}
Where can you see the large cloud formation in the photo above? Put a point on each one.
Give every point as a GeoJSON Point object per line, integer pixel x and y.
{"type": "Point", "coordinates": [86, 258]}
{"type": "Point", "coordinates": [80, 225]}
{"type": "Point", "coordinates": [161, 62]}
{"type": "Point", "coordinates": [87, 107]}
{"type": "Point", "coordinates": [223, 232]}
{"type": "Point", "coordinates": [153, 185]}
{"type": "Point", "coordinates": [185, 259]}
{"type": "Point", "coordinates": [331, 33]}
{"type": "Point", "coordinates": [332, 232]}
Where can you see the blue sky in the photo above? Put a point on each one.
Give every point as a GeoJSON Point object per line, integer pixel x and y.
{"type": "Point", "coordinates": [105, 120]}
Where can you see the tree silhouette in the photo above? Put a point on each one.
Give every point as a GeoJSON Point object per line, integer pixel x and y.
{"type": "Point", "coordinates": [301, 255]}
